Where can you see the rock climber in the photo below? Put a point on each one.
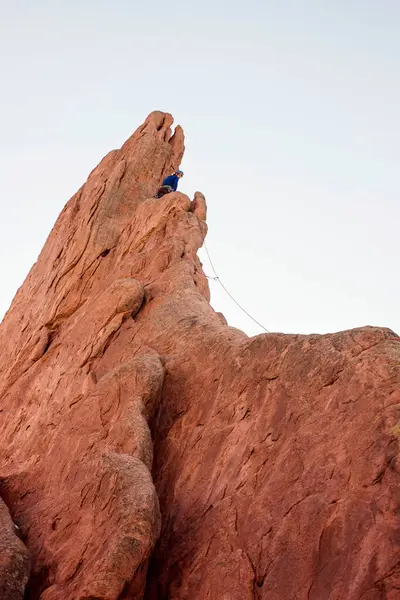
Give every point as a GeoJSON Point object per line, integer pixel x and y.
{"type": "Point", "coordinates": [170, 184]}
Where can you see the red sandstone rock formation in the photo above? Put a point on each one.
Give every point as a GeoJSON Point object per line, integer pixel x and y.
{"type": "Point", "coordinates": [14, 559]}
{"type": "Point", "coordinates": [275, 458]}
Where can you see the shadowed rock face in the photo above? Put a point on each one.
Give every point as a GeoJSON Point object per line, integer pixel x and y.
{"type": "Point", "coordinates": [275, 458]}
{"type": "Point", "coordinates": [14, 559]}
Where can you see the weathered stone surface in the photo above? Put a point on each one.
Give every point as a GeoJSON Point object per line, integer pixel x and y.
{"type": "Point", "coordinates": [279, 478]}
{"type": "Point", "coordinates": [199, 206]}
{"type": "Point", "coordinates": [275, 457]}
{"type": "Point", "coordinates": [14, 559]}
{"type": "Point", "coordinates": [75, 445]}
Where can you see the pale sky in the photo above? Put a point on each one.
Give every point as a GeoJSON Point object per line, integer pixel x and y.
{"type": "Point", "coordinates": [290, 111]}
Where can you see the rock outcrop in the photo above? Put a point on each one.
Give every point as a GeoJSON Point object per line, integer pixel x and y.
{"type": "Point", "coordinates": [14, 559]}
{"type": "Point", "coordinates": [130, 412]}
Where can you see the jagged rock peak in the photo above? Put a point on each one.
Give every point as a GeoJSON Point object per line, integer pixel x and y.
{"type": "Point", "coordinates": [149, 450]}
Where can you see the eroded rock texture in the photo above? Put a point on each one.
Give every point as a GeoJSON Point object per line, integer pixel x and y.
{"type": "Point", "coordinates": [276, 459]}
{"type": "Point", "coordinates": [14, 559]}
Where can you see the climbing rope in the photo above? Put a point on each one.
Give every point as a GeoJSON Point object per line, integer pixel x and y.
{"type": "Point", "coordinates": [216, 278]}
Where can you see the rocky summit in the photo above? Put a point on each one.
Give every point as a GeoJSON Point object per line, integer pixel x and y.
{"type": "Point", "coordinates": [149, 450]}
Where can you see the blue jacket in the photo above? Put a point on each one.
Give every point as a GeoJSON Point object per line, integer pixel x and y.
{"type": "Point", "coordinates": [172, 180]}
